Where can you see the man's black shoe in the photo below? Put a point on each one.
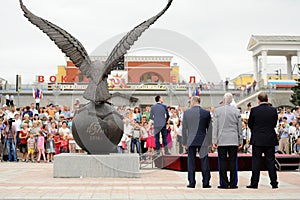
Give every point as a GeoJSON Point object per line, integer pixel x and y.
{"type": "Point", "coordinates": [207, 186]}
{"type": "Point", "coordinates": [190, 186]}
{"type": "Point", "coordinates": [274, 186]}
{"type": "Point", "coordinates": [233, 187]}
{"type": "Point", "coordinates": [223, 187]}
{"type": "Point", "coordinates": [252, 186]}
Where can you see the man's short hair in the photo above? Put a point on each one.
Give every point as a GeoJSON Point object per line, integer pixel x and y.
{"type": "Point", "coordinates": [196, 99]}
{"type": "Point", "coordinates": [228, 98]}
{"type": "Point", "coordinates": [157, 98]}
{"type": "Point", "coordinates": [263, 97]}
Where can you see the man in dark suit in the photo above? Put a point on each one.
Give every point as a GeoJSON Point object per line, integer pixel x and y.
{"type": "Point", "coordinates": [262, 121]}
{"type": "Point", "coordinates": [195, 138]}
{"type": "Point", "coordinates": [160, 115]}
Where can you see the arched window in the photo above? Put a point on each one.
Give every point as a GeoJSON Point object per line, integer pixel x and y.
{"type": "Point", "coordinates": [151, 77]}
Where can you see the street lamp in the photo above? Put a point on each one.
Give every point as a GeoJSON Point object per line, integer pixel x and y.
{"type": "Point", "coordinates": [169, 89]}
{"type": "Point", "coordinates": [278, 73]}
{"type": "Point", "coordinates": [56, 91]}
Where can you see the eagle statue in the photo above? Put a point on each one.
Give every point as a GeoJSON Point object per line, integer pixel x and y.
{"type": "Point", "coordinates": [97, 127]}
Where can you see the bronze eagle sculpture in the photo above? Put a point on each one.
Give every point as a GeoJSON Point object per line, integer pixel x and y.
{"type": "Point", "coordinates": [97, 127]}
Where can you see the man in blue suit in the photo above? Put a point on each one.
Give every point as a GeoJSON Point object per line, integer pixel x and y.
{"type": "Point", "coordinates": [160, 115]}
{"type": "Point", "coordinates": [197, 138]}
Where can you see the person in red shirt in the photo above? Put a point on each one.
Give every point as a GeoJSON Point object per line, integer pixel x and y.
{"type": "Point", "coordinates": [23, 141]}
{"type": "Point", "coordinates": [64, 145]}
{"type": "Point", "coordinates": [57, 142]}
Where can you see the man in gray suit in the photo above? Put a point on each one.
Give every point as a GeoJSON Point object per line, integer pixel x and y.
{"type": "Point", "coordinates": [195, 137]}
{"type": "Point", "coordinates": [227, 137]}
{"type": "Point", "coordinates": [160, 115]}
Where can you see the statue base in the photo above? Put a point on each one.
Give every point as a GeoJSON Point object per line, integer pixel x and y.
{"type": "Point", "coordinates": [93, 166]}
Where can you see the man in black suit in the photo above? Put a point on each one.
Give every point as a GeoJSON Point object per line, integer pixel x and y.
{"type": "Point", "coordinates": [195, 137]}
{"type": "Point", "coordinates": [262, 121]}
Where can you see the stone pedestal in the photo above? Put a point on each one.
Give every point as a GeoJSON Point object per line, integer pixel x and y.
{"type": "Point", "coordinates": [94, 166]}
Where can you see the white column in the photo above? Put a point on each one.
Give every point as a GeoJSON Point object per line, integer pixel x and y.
{"type": "Point", "coordinates": [289, 67]}
{"type": "Point", "coordinates": [255, 69]}
{"type": "Point", "coordinates": [298, 62]}
{"type": "Point", "coordinates": [264, 66]}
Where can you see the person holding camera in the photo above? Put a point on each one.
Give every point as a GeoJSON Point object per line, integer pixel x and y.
{"type": "Point", "coordinates": [10, 135]}
{"type": "Point", "coordinates": [284, 138]}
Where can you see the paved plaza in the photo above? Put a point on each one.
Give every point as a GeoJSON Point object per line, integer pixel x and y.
{"type": "Point", "coordinates": [35, 181]}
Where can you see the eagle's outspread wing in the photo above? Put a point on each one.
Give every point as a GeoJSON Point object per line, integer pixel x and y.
{"type": "Point", "coordinates": [97, 90]}
{"type": "Point", "coordinates": [65, 42]}
{"type": "Point", "coordinates": [127, 41]}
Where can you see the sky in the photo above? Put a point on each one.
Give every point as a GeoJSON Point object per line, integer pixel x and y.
{"type": "Point", "coordinates": [221, 27]}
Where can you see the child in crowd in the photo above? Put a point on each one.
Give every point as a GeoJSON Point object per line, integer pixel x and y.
{"type": "Point", "coordinates": [64, 145]}
{"type": "Point", "coordinates": [30, 147]}
{"type": "Point", "coordinates": [23, 141]}
{"type": "Point", "coordinates": [144, 137]}
{"type": "Point", "coordinates": [150, 139]}
{"type": "Point", "coordinates": [41, 147]}
{"type": "Point", "coordinates": [169, 128]}
{"type": "Point", "coordinates": [122, 146]}
{"type": "Point", "coordinates": [72, 143]}
{"type": "Point", "coordinates": [50, 147]}
{"type": "Point", "coordinates": [135, 140]}
{"type": "Point", "coordinates": [57, 142]}
{"type": "Point", "coordinates": [178, 128]}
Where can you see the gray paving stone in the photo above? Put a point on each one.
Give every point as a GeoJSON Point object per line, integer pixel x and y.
{"type": "Point", "coordinates": [36, 182]}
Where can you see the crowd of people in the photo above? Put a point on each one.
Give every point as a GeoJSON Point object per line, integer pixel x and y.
{"type": "Point", "coordinates": [287, 130]}
{"type": "Point", "coordinates": [34, 133]}
{"type": "Point", "coordinates": [46, 131]}
{"type": "Point", "coordinates": [139, 130]}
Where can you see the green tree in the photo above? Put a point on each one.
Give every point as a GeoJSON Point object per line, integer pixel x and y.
{"type": "Point", "coordinates": [295, 97]}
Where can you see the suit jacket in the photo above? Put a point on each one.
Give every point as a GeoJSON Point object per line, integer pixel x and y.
{"type": "Point", "coordinates": [195, 126]}
{"type": "Point", "coordinates": [159, 114]}
{"type": "Point", "coordinates": [262, 122]}
{"type": "Point", "coordinates": [227, 126]}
